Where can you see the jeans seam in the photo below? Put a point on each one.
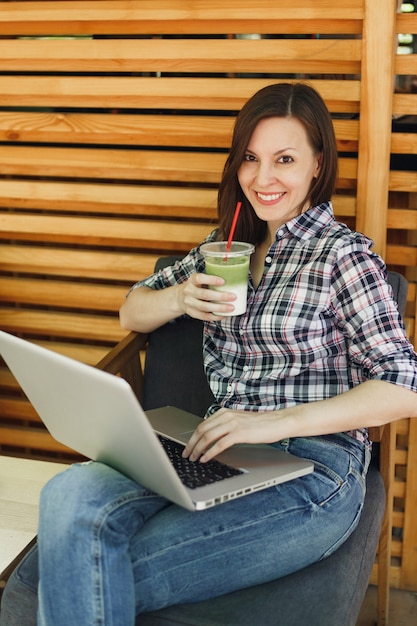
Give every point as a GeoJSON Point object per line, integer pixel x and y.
{"type": "Point", "coordinates": [97, 555]}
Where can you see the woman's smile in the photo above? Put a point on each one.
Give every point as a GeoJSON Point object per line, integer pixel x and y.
{"type": "Point", "coordinates": [269, 198]}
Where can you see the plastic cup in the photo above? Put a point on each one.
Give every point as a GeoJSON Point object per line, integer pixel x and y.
{"type": "Point", "coordinates": [231, 265]}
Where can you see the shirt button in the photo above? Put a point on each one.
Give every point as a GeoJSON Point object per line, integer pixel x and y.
{"type": "Point", "coordinates": [245, 368]}
{"type": "Point", "coordinates": [280, 232]}
{"type": "Point", "coordinates": [268, 259]}
{"type": "Point", "coordinates": [229, 388]}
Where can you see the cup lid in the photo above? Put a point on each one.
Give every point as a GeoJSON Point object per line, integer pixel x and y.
{"type": "Point", "coordinates": [238, 248]}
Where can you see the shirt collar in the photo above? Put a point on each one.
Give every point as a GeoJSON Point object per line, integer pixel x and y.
{"type": "Point", "coordinates": [309, 223]}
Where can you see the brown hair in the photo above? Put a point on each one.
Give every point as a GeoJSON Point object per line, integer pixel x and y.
{"type": "Point", "coordinates": [301, 102]}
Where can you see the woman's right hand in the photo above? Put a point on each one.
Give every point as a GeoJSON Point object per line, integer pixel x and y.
{"type": "Point", "coordinates": [146, 309]}
{"type": "Point", "coordinates": [196, 299]}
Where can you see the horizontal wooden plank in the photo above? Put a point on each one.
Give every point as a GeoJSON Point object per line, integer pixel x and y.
{"type": "Point", "coordinates": [403, 427]}
{"type": "Point", "coordinates": [196, 203]}
{"type": "Point", "coordinates": [93, 264]}
{"type": "Point", "coordinates": [61, 324]}
{"type": "Point", "coordinates": [396, 546]}
{"type": "Point", "coordinates": [144, 17]}
{"type": "Point", "coordinates": [192, 131]}
{"type": "Point", "coordinates": [18, 408]}
{"type": "Point", "coordinates": [402, 219]}
{"type": "Point", "coordinates": [406, 23]}
{"type": "Point", "coordinates": [404, 103]}
{"type": "Point", "coordinates": [403, 181]}
{"type": "Point", "coordinates": [232, 26]}
{"type": "Point", "coordinates": [84, 352]}
{"type": "Point", "coordinates": [334, 56]}
{"type": "Point", "coordinates": [347, 134]}
{"type": "Point", "coordinates": [412, 291]}
{"type": "Point", "coordinates": [344, 206]}
{"type": "Point", "coordinates": [404, 143]}
{"type": "Point", "coordinates": [170, 203]}
{"type": "Point", "coordinates": [399, 489]}
{"type": "Point", "coordinates": [156, 235]}
{"type": "Point", "coordinates": [398, 519]}
{"type": "Point", "coordinates": [405, 64]}
{"type": "Point", "coordinates": [400, 456]}
{"type": "Point", "coordinates": [401, 255]}
{"type": "Point", "coordinates": [89, 354]}
{"type": "Point", "coordinates": [155, 130]}
{"type": "Point", "coordinates": [34, 439]}
{"type": "Point", "coordinates": [116, 165]}
{"type": "Point", "coordinates": [149, 165]}
{"type": "Point", "coordinates": [144, 92]}
{"type": "Point", "coordinates": [61, 294]}
{"type": "Point", "coordinates": [7, 381]}
{"type": "Point", "coordinates": [348, 168]}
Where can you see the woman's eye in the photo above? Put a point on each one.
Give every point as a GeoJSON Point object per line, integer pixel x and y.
{"type": "Point", "coordinates": [285, 159]}
{"type": "Point", "coordinates": [249, 157]}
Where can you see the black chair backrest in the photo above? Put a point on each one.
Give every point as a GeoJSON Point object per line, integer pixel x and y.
{"type": "Point", "coordinates": [399, 285]}
{"type": "Point", "coordinates": [174, 373]}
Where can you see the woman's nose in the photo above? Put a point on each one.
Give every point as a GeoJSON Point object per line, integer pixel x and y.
{"type": "Point", "coordinates": [265, 174]}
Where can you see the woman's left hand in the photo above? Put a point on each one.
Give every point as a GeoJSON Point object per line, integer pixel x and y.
{"type": "Point", "coordinates": [226, 428]}
{"type": "Point", "coordinates": [372, 403]}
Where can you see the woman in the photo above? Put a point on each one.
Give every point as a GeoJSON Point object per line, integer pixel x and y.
{"type": "Point", "coordinates": [319, 355]}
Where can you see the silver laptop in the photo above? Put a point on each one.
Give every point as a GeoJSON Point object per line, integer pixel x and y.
{"type": "Point", "coordinates": [98, 415]}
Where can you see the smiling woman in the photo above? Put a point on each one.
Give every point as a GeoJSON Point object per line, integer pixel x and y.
{"type": "Point", "coordinates": [319, 355]}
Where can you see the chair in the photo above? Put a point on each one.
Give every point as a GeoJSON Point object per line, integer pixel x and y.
{"type": "Point", "coordinates": [328, 593]}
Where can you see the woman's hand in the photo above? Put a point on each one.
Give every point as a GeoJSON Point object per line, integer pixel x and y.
{"type": "Point", "coordinates": [226, 428]}
{"type": "Point", "coordinates": [372, 403]}
{"type": "Point", "coordinates": [146, 309]}
{"type": "Point", "coordinates": [198, 301]}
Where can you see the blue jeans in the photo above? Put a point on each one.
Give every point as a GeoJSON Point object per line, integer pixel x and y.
{"type": "Point", "coordinates": [109, 549]}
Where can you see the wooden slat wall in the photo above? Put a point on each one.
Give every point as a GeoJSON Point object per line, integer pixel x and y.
{"type": "Point", "coordinates": [115, 119]}
{"type": "Point", "coordinates": [402, 208]}
{"type": "Point", "coordinates": [401, 252]}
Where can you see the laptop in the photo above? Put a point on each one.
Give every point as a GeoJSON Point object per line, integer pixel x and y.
{"type": "Point", "coordinates": [98, 415]}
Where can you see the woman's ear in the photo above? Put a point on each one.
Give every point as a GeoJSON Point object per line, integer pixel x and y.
{"type": "Point", "coordinates": [318, 165]}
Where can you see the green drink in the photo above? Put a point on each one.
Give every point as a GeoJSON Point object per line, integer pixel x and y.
{"type": "Point", "coordinates": [231, 265]}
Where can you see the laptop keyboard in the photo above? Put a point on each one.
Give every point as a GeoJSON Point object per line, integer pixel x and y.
{"type": "Point", "coordinates": [193, 473]}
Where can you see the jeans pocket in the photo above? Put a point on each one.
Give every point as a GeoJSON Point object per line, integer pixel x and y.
{"type": "Point", "coordinates": [329, 484]}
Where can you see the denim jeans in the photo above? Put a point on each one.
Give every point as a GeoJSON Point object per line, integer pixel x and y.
{"type": "Point", "coordinates": [109, 549]}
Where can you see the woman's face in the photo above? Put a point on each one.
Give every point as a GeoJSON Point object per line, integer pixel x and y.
{"type": "Point", "coordinates": [277, 170]}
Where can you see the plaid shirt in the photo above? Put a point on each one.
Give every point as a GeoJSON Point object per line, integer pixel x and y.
{"type": "Point", "coordinates": [321, 321]}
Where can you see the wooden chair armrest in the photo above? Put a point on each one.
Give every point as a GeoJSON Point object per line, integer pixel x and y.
{"type": "Point", "coordinates": [376, 432]}
{"type": "Point", "coordinates": [124, 359]}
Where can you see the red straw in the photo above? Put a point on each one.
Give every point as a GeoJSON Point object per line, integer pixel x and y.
{"type": "Point", "coordinates": [233, 226]}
